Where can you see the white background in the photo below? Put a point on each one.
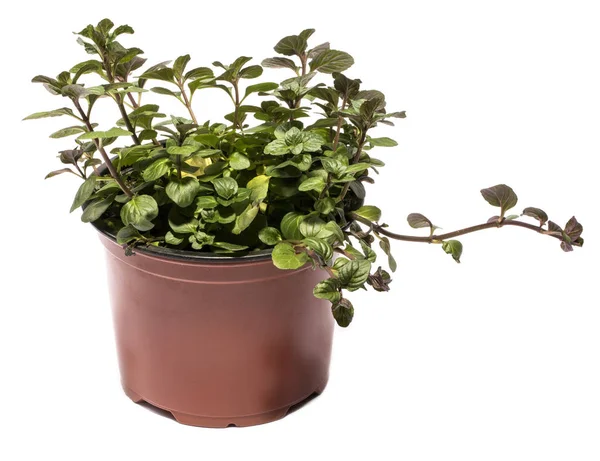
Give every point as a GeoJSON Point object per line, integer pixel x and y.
{"type": "Point", "coordinates": [493, 359]}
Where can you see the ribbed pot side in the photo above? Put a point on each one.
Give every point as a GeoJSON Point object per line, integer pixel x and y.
{"type": "Point", "coordinates": [218, 343]}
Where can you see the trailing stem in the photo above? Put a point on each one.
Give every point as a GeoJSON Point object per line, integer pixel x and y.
{"type": "Point", "coordinates": [441, 237]}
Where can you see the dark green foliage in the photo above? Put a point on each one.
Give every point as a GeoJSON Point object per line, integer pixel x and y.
{"type": "Point", "coordinates": [264, 177]}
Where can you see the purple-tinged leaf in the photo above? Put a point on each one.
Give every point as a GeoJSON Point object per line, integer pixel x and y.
{"type": "Point", "coordinates": [573, 229]}
{"type": "Point", "coordinates": [343, 312]}
{"type": "Point", "coordinates": [501, 196]}
{"type": "Point", "coordinates": [417, 220]}
{"type": "Point", "coordinates": [536, 213]}
{"type": "Point", "coordinates": [61, 171]}
{"type": "Point", "coordinates": [554, 229]}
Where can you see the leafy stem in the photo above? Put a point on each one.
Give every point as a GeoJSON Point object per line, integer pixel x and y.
{"type": "Point", "coordinates": [187, 102]}
{"type": "Point", "coordinates": [336, 142]}
{"type": "Point", "coordinates": [236, 102]}
{"type": "Point", "coordinates": [111, 168]}
{"type": "Point", "coordinates": [361, 145]}
{"type": "Point", "coordinates": [128, 124]}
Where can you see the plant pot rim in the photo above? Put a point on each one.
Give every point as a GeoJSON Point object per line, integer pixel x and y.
{"type": "Point", "coordinates": [190, 256]}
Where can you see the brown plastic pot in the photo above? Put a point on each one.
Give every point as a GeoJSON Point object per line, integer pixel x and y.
{"type": "Point", "coordinates": [217, 341]}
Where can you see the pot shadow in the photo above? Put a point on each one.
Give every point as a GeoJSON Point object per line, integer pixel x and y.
{"type": "Point", "coordinates": [302, 403]}
{"type": "Point", "coordinates": [156, 410]}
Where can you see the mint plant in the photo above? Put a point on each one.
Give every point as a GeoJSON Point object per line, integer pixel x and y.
{"type": "Point", "coordinates": [285, 172]}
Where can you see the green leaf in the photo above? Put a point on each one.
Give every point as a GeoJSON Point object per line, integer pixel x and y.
{"type": "Point", "coordinates": [319, 246]}
{"type": "Point", "coordinates": [127, 234]}
{"type": "Point", "coordinates": [354, 274]}
{"type": "Point", "coordinates": [384, 243]}
{"type": "Point", "coordinates": [369, 212]}
{"type": "Point", "coordinates": [330, 61]}
{"type": "Point", "coordinates": [383, 142]}
{"type": "Point", "coordinates": [277, 147]}
{"type": "Point", "coordinates": [179, 66]}
{"type": "Point", "coordinates": [205, 202]}
{"type": "Point", "coordinates": [251, 72]}
{"type": "Point", "coordinates": [285, 257]}
{"type": "Point", "coordinates": [239, 161]}
{"type": "Point", "coordinates": [157, 169]}
{"type": "Point", "coordinates": [259, 186]}
{"type": "Point", "coordinates": [356, 168]}
{"type": "Point", "coordinates": [180, 223]}
{"type": "Point", "coordinates": [207, 139]}
{"type": "Point", "coordinates": [269, 236]}
{"type": "Point", "coordinates": [165, 91]}
{"type": "Point", "coordinates": [245, 219]}
{"type": "Point", "coordinates": [112, 133]}
{"type": "Point", "coordinates": [315, 183]}
{"type": "Point", "coordinates": [291, 45]}
{"type": "Point", "coordinates": [290, 225]}
{"type": "Point", "coordinates": [84, 192]}
{"type": "Point", "coordinates": [183, 191]}
{"type": "Point", "coordinates": [204, 73]}
{"type": "Point", "coordinates": [325, 205]}
{"type": "Point", "coordinates": [199, 239]}
{"type": "Point", "coordinates": [453, 247]}
{"type": "Point", "coordinates": [146, 135]}
{"type": "Point", "coordinates": [182, 150]}
{"type": "Point", "coordinates": [311, 226]}
{"type": "Point", "coordinates": [172, 239]}
{"type": "Point", "coordinates": [331, 232]}
{"type": "Point", "coordinates": [165, 74]}
{"type": "Point", "coordinates": [95, 209]}
{"type": "Point", "coordinates": [343, 312]}
{"type": "Point", "coordinates": [229, 246]}
{"type": "Point", "coordinates": [225, 187]}
{"type": "Point", "coordinates": [139, 212]}
{"type": "Point", "coordinates": [259, 87]}
{"type": "Point", "coordinates": [279, 63]}
{"type": "Point", "coordinates": [328, 289]}
{"type": "Point", "coordinates": [69, 131]}
{"type": "Point", "coordinates": [333, 166]}
{"type": "Point", "coordinates": [501, 196]}
{"type": "Point", "coordinates": [51, 113]}
{"type": "Point", "coordinates": [346, 86]}
{"type": "Point", "coordinates": [536, 213]}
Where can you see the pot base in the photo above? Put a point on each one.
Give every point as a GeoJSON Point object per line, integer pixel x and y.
{"type": "Point", "coordinates": [228, 421]}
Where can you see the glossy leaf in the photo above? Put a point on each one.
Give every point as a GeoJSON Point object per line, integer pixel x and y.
{"type": "Point", "coordinates": [245, 219]}
{"type": "Point", "coordinates": [369, 212]}
{"type": "Point", "coordinates": [225, 187]}
{"type": "Point", "coordinates": [354, 274]}
{"type": "Point", "coordinates": [285, 257]}
{"type": "Point", "coordinates": [139, 212]}
{"type": "Point", "coordinates": [112, 133]}
{"type": "Point", "coordinates": [328, 289]}
{"type": "Point", "coordinates": [500, 196]}
{"type": "Point", "coordinates": [330, 61]}
{"type": "Point", "coordinates": [269, 236]}
{"type": "Point", "coordinates": [95, 209]}
{"type": "Point", "coordinates": [290, 226]}
{"type": "Point", "coordinates": [183, 191]}
{"type": "Point", "coordinates": [343, 312]}
{"type": "Point", "coordinates": [536, 213]}
{"type": "Point", "coordinates": [84, 192]}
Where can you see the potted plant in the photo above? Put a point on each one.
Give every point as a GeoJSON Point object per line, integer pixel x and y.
{"type": "Point", "coordinates": [198, 218]}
